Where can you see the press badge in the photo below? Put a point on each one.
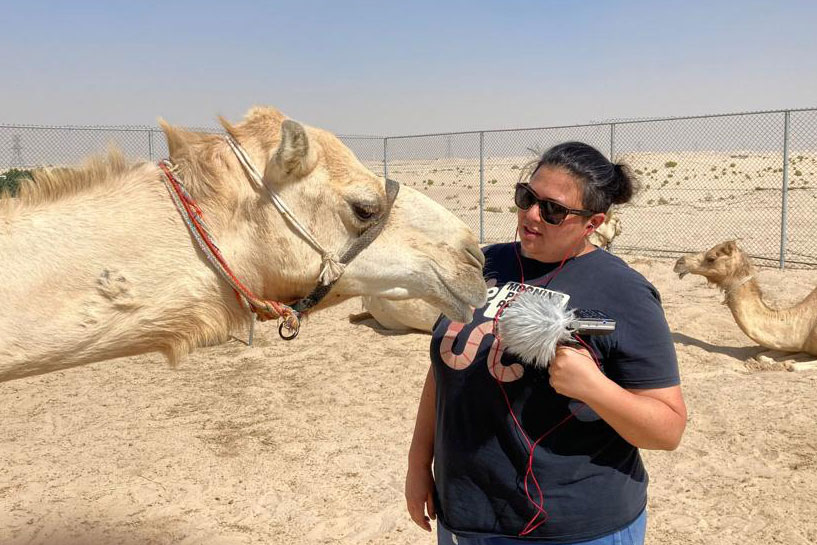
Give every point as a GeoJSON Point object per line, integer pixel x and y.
{"type": "Point", "coordinates": [512, 289]}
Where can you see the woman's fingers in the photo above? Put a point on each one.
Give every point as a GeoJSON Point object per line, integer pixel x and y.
{"type": "Point", "coordinates": [416, 509]}
{"type": "Point", "coordinates": [432, 509]}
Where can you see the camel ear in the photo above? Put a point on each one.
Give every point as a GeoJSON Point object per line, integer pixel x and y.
{"type": "Point", "coordinates": [176, 143]}
{"type": "Point", "coordinates": [296, 156]}
{"type": "Point", "coordinates": [729, 247]}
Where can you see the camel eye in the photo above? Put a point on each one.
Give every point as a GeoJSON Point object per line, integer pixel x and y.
{"type": "Point", "coordinates": [364, 211]}
{"type": "Point", "coordinates": [710, 259]}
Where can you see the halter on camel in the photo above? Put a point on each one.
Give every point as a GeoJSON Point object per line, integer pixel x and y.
{"type": "Point", "coordinates": [332, 267]}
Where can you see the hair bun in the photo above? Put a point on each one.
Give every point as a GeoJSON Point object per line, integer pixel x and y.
{"type": "Point", "coordinates": [623, 182]}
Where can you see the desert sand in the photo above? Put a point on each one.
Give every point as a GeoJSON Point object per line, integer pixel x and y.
{"type": "Point", "coordinates": [306, 441]}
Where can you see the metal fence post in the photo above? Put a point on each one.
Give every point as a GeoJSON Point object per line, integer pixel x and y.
{"type": "Point", "coordinates": [385, 158]}
{"type": "Point", "coordinates": [150, 144]}
{"type": "Point", "coordinates": [481, 187]}
{"type": "Point", "coordinates": [785, 203]}
{"type": "Point", "coordinates": [612, 141]}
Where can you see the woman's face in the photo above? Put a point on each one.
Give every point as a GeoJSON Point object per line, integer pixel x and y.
{"type": "Point", "coordinates": [552, 243]}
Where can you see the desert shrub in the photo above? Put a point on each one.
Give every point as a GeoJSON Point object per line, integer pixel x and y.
{"type": "Point", "coordinates": [670, 164]}
{"type": "Point", "coordinates": [493, 209]}
{"type": "Point", "coordinates": [10, 180]}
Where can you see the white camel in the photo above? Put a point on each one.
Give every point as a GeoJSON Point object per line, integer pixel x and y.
{"type": "Point", "coordinates": [97, 262]}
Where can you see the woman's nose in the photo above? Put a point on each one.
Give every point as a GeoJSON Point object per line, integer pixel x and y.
{"type": "Point", "coordinates": [532, 214]}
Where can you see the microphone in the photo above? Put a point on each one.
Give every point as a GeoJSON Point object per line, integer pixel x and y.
{"type": "Point", "coordinates": [531, 326]}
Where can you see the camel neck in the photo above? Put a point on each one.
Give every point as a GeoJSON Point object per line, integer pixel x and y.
{"type": "Point", "coordinates": [729, 290]}
{"type": "Point", "coordinates": [780, 329]}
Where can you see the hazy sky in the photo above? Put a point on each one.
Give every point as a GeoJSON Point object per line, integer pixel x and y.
{"type": "Point", "coordinates": [402, 67]}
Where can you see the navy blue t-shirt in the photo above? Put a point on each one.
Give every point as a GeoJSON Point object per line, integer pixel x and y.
{"type": "Point", "coordinates": [593, 481]}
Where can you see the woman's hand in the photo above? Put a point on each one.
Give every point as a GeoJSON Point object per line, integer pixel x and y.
{"type": "Point", "coordinates": [420, 495]}
{"type": "Point", "coordinates": [651, 418]}
{"type": "Point", "coordinates": [573, 373]}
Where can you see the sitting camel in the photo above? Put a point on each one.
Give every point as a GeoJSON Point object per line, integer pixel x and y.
{"type": "Point", "coordinates": [98, 263]}
{"type": "Point", "coordinates": [727, 266]}
{"type": "Point", "coordinates": [415, 314]}
{"type": "Point", "coordinates": [399, 315]}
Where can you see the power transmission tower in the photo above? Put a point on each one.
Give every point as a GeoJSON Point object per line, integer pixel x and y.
{"type": "Point", "coordinates": [17, 150]}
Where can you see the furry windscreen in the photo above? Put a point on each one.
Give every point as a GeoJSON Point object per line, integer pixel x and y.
{"type": "Point", "coordinates": [532, 326]}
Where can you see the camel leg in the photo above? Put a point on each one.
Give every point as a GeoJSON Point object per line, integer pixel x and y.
{"type": "Point", "coordinates": [359, 317]}
{"type": "Point", "coordinates": [803, 362]}
{"type": "Point", "coordinates": [803, 366]}
{"type": "Point", "coordinates": [791, 361]}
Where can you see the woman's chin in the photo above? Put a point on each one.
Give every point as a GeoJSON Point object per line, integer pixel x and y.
{"type": "Point", "coordinates": [530, 248]}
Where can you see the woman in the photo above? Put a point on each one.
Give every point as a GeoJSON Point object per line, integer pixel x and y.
{"type": "Point", "coordinates": [523, 454]}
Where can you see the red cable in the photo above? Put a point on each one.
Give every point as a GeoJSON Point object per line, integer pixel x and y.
{"type": "Point", "coordinates": [540, 505]}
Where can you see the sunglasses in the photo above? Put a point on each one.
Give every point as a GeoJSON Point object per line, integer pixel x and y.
{"type": "Point", "coordinates": [551, 212]}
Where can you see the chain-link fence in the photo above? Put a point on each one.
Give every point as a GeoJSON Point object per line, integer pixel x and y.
{"type": "Point", "coordinates": [705, 179]}
{"type": "Point", "coordinates": [750, 177]}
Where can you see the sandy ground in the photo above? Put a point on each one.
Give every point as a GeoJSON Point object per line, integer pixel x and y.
{"type": "Point", "coordinates": [306, 441]}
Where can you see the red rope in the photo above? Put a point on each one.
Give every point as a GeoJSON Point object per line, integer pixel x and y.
{"type": "Point", "coordinates": [258, 305]}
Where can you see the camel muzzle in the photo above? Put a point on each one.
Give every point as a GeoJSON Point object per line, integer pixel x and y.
{"type": "Point", "coordinates": [681, 267]}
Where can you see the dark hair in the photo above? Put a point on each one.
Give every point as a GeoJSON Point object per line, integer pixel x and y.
{"type": "Point", "coordinates": [603, 183]}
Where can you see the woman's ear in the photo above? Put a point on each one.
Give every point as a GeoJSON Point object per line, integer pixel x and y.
{"type": "Point", "coordinates": [595, 221]}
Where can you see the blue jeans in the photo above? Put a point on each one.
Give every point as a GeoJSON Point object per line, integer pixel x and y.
{"type": "Point", "coordinates": [633, 534]}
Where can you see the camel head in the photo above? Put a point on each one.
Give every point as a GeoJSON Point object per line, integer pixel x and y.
{"type": "Point", "coordinates": [720, 265]}
{"type": "Point", "coordinates": [424, 251]}
{"type": "Point", "coordinates": [604, 234]}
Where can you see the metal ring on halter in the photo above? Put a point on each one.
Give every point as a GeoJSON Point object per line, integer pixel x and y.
{"type": "Point", "coordinates": [293, 326]}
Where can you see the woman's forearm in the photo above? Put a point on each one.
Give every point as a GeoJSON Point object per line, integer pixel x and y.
{"type": "Point", "coordinates": [422, 442]}
{"type": "Point", "coordinates": [650, 419]}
